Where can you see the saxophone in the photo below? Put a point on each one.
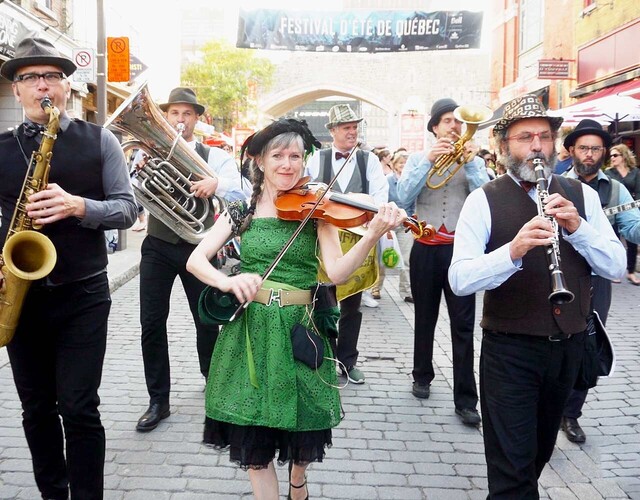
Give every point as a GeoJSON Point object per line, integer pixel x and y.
{"type": "Point", "coordinates": [27, 255]}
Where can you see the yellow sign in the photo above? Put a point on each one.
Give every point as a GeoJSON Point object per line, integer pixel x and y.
{"type": "Point", "coordinates": [118, 63]}
{"type": "Point", "coordinates": [362, 278]}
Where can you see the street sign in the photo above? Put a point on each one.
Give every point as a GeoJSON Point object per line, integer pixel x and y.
{"type": "Point", "coordinates": [136, 67]}
{"type": "Point", "coordinates": [118, 59]}
{"type": "Point", "coordinates": [553, 69]}
{"type": "Point", "coordinates": [85, 60]}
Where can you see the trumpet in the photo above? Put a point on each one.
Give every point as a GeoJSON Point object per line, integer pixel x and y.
{"type": "Point", "coordinates": [559, 292]}
{"type": "Point", "coordinates": [447, 165]}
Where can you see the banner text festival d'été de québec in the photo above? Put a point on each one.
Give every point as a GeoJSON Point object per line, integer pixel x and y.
{"type": "Point", "coordinates": [359, 31]}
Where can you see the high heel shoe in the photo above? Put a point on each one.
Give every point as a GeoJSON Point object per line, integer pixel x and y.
{"type": "Point", "coordinates": [291, 485]}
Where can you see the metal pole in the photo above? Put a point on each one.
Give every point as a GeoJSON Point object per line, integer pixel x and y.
{"type": "Point", "coordinates": [101, 92]}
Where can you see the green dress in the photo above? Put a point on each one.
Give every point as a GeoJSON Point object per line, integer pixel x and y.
{"type": "Point", "coordinates": [289, 395]}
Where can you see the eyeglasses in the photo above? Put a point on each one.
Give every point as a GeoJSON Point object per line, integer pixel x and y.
{"type": "Point", "coordinates": [32, 79]}
{"type": "Point", "coordinates": [593, 149]}
{"type": "Point", "coordinates": [527, 137]}
{"type": "Point", "coordinates": [614, 155]}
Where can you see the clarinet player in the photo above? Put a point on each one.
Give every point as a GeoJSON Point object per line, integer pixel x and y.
{"type": "Point", "coordinates": [58, 348]}
{"type": "Point", "coordinates": [531, 347]}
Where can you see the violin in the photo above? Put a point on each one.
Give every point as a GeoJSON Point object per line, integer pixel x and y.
{"type": "Point", "coordinates": [336, 209]}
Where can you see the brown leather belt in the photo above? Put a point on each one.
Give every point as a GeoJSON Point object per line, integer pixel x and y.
{"type": "Point", "coordinates": [283, 298]}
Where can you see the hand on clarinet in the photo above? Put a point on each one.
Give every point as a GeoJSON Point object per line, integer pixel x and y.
{"type": "Point", "coordinates": [564, 212]}
{"type": "Point", "coordinates": [537, 232]}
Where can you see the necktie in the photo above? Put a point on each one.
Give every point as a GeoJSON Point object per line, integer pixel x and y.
{"type": "Point", "coordinates": [527, 186]}
{"type": "Point", "coordinates": [32, 129]}
{"type": "Point", "coordinates": [341, 155]}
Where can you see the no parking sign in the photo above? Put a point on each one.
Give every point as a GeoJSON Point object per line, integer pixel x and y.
{"type": "Point", "coordinates": [85, 60]}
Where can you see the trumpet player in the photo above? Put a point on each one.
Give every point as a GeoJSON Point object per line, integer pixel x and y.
{"type": "Point", "coordinates": [531, 348]}
{"type": "Point", "coordinates": [430, 259]}
{"type": "Point", "coordinates": [58, 348]}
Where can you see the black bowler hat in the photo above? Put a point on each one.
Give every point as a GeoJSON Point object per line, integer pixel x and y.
{"type": "Point", "coordinates": [587, 127]}
{"type": "Point", "coordinates": [35, 51]}
{"type": "Point", "coordinates": [183, 95]}
{"type": "Point", "coordinates": [439, 108]}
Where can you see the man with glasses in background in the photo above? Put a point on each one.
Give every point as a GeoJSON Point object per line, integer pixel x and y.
{"type": "Point", "coordinates": [588, 145]}
{"type": "Point", "coordinates": [58, 348]}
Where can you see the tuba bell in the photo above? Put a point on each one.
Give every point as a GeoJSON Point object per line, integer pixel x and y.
{"type": "Point", "coordinates": [163, 184]}
{"type": "Point", "coordinates": [446, 166]}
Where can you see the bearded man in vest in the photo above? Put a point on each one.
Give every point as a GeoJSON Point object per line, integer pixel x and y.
{"type": "Point", "coordinates": [531, 348]}
{"type": "Point", "coordinates": [430, 259]}
{"type": "Point", "coordinates": [362, 174]}
{"type": "Point", "coordinates": [164, 256]}
{"type": "Point", "coordinates": [588, 144]}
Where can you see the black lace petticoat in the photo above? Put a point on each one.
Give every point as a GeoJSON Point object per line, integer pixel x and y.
{"type": "Point", "coordinates": [254, 447]}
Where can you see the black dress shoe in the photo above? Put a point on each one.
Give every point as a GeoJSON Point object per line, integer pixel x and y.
{"type": "Point", "coordinates": [152, 417]}
{"type": "Point", "coordinates": [573, 431]}
{"type": "Point", "coordinates": [469, 416]}
{"type": "Point", "coordinates": [421, 391]}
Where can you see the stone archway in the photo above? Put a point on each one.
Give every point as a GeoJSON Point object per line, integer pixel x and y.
{"type": "Point", "coordinates": [280, 103]}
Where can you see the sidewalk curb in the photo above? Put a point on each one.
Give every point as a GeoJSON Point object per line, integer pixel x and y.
{"type": "Point", "coordinates": [116, 282]}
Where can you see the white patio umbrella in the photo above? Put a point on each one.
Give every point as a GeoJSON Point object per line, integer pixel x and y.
{"type": "Point", "coordinates": [609, 109]}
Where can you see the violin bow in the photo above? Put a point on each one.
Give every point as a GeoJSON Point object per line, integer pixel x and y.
{"type": "Point", "coordinates": [298, 230]}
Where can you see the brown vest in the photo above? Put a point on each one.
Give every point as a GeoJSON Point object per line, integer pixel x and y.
{"type": "Point", "coordinates": [521, 304]}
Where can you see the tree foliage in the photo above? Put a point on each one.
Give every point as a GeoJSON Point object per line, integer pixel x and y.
{"type": "Point", "coordinates": [226, 80]}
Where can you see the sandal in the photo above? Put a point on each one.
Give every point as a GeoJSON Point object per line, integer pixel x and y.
{"type": "Point", "coordinates": [631, 278]}
{"type": "Point", "coordinates": [291, 485]}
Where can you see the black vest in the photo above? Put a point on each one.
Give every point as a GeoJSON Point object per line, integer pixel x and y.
{"type": "Point", "coordinates": [358, 183]}
{"type": "Point", "coordinates": [159, 229]}
{"type": "Point", "coordinates": [76, 165]}
{"type": "Point", "coordinates": [521, 304]}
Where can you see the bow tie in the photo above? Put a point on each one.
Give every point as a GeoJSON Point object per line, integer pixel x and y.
{"type": "Point", "coordinates": [341, 155]}
{"type": "Point", "coordinates": [527, 186]}
{"type": "Point", "coordinates": [32, 129]}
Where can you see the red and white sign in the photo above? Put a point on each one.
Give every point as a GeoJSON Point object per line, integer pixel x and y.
{"type": "Point", "coordinates": [85, 60]}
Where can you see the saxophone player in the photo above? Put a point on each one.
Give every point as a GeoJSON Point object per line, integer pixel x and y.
{"type": "Point", "coordinates": [531, 348]}
{"type": "Point", "coordinates": [57, 351]}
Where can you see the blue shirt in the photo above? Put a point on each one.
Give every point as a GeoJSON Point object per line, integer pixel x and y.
{"type": "Point", "coordinates": [393, 179]}
{"type": "Point", "coordinates": [414, 176]}
{"type": "Point", "coordinates": [473, 270]}
{"type": "Point", "coordinates": [628, 222]}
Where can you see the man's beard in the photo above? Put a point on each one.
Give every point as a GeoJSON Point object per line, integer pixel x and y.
{"type": "Point", "coordinates": [524, 170]}
{"type": "Point", "coordinates": [586, 170]}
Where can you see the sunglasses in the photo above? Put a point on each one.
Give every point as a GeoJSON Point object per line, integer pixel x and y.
{"type": "Point", "coordinates": [614, 155]}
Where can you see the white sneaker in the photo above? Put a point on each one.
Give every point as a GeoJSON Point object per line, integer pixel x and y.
{"type": "Point", "coordinates": [368, 300]}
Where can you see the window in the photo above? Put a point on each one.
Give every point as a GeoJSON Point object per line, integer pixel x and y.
{"type": "Point", "coordinates": [531, 24]}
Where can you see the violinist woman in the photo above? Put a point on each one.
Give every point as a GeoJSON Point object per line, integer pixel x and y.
{"type": "Point", "coordinates": [259, 399]}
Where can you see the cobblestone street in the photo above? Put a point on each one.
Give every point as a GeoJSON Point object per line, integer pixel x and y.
{"type": "Point", "coordinates": [389, 446]}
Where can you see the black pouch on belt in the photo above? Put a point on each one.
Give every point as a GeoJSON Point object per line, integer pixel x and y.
{"type": "Point", "coordinates": [307, 346]}
{"type": "Point", "coordinates": [325, 309]}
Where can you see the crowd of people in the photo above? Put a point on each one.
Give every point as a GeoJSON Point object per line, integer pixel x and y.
{"type": "Point", "coordinates": [272, 368]}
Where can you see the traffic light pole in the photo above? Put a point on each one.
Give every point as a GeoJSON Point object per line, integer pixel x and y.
{"type": "Point", "coordinates": [101, 93]}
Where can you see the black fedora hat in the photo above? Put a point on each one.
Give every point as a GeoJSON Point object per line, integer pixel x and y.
{"type": "Point", "coordinates": [439, 108]}
{"type": "Point", "coordinates": [34, 51]}
{"type": "Point", "coordinates": [587, 127]}
{"type": "Point", "coordinates": [183, 95]}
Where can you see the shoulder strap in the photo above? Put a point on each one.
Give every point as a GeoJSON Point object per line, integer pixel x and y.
{"type": "Point", "coordinates": [362, 165]}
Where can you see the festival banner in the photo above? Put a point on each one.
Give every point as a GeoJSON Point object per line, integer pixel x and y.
{"type": "Point", "coordinates": [359, 31]}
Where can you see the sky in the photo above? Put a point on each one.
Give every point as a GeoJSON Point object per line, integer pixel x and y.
{"type": "Point", "coordinates": [155, 29]}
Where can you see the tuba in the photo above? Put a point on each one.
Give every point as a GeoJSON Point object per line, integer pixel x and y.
{"type": "Point", "coordinates": [27, 255]}
{"type": "Point", "coordinates": [446, 166]}
{"type": "Point", "coordinates": [163, 184]}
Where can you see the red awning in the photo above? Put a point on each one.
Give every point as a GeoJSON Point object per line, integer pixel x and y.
{"type": "Point", "coordinates": [630, 88]}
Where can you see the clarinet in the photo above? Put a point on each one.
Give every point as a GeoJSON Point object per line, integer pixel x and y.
{"type": "Point", "coordinates": [559, 292]}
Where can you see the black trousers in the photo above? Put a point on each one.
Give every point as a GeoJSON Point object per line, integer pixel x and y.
{"type": "Point", "coordinates": [56, 357]}
{"type": "Point", "coordinates": [428, 270]}
{"type": "Point", "coordinates": [346, 345]}
{"type": "Point", "coordinates": [632, 257]}
{"type": "Point", "coordinates": [161, 263]}
{"type": "Point", "coordinates": [600, 302]}
{"type": "Point", "coordinates": [524, 384]}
